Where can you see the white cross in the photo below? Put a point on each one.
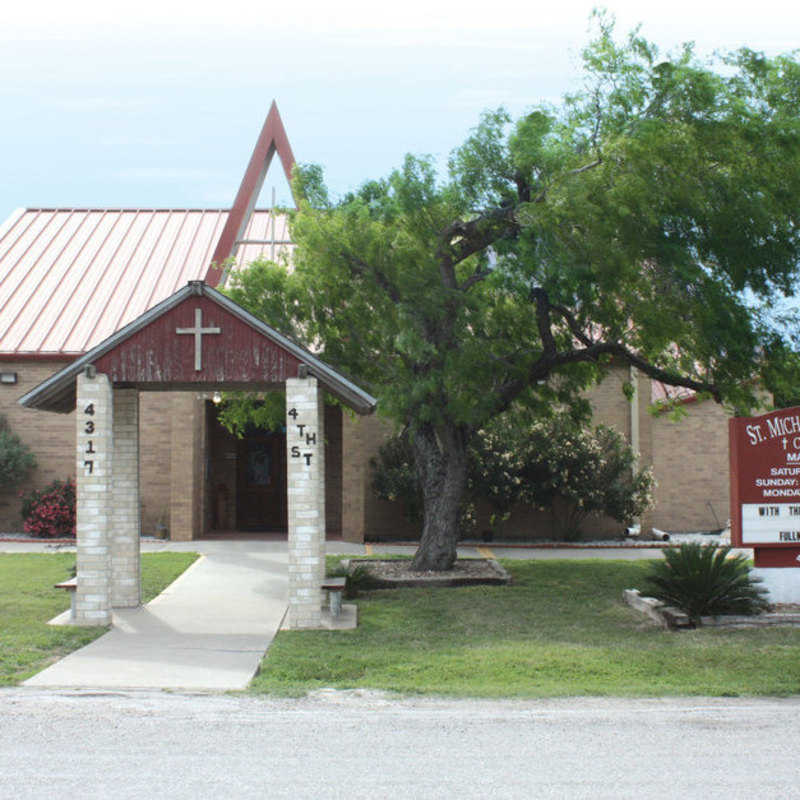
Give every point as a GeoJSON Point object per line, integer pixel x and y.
{"type": "Point", "coordinates": [198, 332]}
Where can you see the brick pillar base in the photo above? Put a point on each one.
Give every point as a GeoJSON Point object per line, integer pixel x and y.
{"type": "Point", "coordinates": [306, 500]}
{"type": "Point", "coordinates": [95, 445]}
{"type": "Point", "coordinates": [125, 514]}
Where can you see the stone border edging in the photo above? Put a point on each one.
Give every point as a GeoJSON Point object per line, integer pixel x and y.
{"type": "Point", "coordinates": [674, 619]}
{"type": "Point", "coordinates": [666, 616]}
{"type": "Point", "coordinates": [503, 578]}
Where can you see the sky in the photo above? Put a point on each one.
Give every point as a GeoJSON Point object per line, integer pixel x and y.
{"type": "Point", "coordinates": [159, 104]}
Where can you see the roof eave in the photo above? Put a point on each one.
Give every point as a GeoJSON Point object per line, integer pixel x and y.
{"type": "Point", "coordinates": [57, 393]}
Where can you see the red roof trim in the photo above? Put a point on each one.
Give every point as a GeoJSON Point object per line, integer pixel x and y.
{"type": "Point", "coordinates": [272, 140]}
{"type": "Point", "coordinates": [5, 357]}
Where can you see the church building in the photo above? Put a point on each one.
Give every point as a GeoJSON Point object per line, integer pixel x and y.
{"type": "Point", "coordinates": [72, 277]}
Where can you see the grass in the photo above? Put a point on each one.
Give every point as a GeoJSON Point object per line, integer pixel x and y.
{"type": "Point", "coordinates": [28, 600]}
{"type": "Point", "coordinates": [560, 629]}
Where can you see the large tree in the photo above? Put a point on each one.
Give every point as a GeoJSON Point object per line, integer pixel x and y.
{"type": "Point", "coordinates": [649, 220]}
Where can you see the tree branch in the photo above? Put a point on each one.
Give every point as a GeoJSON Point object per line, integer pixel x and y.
{"type": "Point", "coordinates": [540, 298]}
{"type": "Point", "coordinates": [544, 366]}
{"type": "Point", "coordinates": [476, 277]}
{"type": "Point", "coordinates": [574, 327]}
{"type": "Point", "coordinates": [462, 239]}
{"type": "Point", "coordinates": [540, 198]}
{"type": "Point", "coordinates": [365, 271]}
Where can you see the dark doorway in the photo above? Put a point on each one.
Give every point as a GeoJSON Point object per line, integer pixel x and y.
{"type": "Point", "coordinates": [246, 479]}
{"type": "Point", "coordinates": [261, 482]}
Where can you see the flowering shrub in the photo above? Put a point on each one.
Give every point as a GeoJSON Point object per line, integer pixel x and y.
{"type": "Point", "coordinates": [553, 463]}
{"type": "Point", "coordinates": [50, 512]}
{"type": "Point", "coordinates": [570, 468]}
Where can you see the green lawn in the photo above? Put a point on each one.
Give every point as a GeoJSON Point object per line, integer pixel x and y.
{"type": "Point", "coordinates": [27, 600]}
{"type": "Point", "coordinates": [560, 629]}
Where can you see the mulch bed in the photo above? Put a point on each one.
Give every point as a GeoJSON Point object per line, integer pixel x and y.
{"type": "Point", "coordinates": [394, 573]}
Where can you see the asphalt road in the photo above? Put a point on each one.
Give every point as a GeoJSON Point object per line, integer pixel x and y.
{"type": "Point", "coordinates": [365, 745]}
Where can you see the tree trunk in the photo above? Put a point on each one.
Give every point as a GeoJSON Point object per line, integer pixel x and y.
{"type": "Point", "coordinates": [441, 457]}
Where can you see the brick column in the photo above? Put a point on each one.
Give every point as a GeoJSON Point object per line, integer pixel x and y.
{"type": "Point", "coordinates": [321, 528]}
{"type": "Point", "coordinates": [125, 514]}
{"type": "Point", "coordinates": [95, 445]}
{"type": "Point", "coordinates": [184, 517]}
{"type": "Point", "coordinates": [306, 500]}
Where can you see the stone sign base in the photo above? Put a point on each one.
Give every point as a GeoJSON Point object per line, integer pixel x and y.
{"type": "Point", "coordinates": [782, 583]}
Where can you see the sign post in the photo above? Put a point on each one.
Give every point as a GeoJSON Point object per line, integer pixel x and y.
{"type": "Point", "coordinates": [765, 497]}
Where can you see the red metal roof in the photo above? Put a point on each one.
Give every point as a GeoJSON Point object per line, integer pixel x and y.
{"type": "Point", "coordinates": [69, 278]}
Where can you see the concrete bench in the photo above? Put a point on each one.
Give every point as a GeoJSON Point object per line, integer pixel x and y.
{"type": "Point", "coordinates": [71, 586]}
{"type": "Point", "coordinates": [334, 587]}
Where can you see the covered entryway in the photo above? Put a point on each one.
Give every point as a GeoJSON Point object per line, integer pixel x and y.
{"type": "Point", "coordinates": [195, 340]}
{"type": "Point", "coordinates": [245, 478]}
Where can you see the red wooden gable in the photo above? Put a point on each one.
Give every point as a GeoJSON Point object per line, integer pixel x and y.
{"type": "Point", "coordinates": [237, 354]}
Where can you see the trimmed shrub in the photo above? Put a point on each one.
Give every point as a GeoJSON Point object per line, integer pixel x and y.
{"type": "Point", "coordinates": [394, 477]}
{"type": "Point", "coordinates": [16, 459]}
{"type": "Point", "coordinates": [50, 513]}
{"type": "Point", "coordinates": [703, 580]}
{"type": "Point", "coordinates": [558, 463]}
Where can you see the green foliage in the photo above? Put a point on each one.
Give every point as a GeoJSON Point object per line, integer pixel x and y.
{"type": "Point", "coordinates": [358, 579]}
{"type": "Point", "coordinates": [394, 477]}
{"type": "Point", "coordinates": [557, 462]}
{"type": "Point", "coordinates": [704, 580]}
{"type": "Point", "coordinates": [16, 459]}
{"type": "Point", "coordinates": [242, 410]}
{"type": "Point", "coordinates": [649, 219]}
{"type": "Point", "coordinates": [781, 376]}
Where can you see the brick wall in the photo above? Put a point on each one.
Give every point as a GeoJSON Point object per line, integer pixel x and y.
{"type": "Point", "coordinates": [154, 453]}
{"type": "Point", "coordinates": [690, 459]}
{"type": "Point", "coordinates": [185, 474]}
{"type": "Point", "coordinates": [50, 436]}
{"type": "Point", "coordinates": [363, 514]}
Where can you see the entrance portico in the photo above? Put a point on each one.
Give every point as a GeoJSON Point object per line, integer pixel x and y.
{"type": "Point", "coordinates": [197, 339]}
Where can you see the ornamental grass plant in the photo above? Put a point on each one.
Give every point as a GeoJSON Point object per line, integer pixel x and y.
{"type": "Point", "coordinates": [705, 580]}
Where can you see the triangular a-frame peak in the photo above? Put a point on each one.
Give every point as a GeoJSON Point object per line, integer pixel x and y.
{"type": "Point", "coordinates": [271, 140]}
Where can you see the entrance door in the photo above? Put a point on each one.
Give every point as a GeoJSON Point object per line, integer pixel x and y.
{"type": "Point", "coordinates": [261, 482]}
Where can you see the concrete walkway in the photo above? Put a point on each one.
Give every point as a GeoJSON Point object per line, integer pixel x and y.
{"type": "Point", "coordinates": [207, 631]}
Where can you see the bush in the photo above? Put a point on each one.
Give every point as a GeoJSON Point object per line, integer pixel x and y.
{"type": "Point", "coordinates": [16, 459]}
{"type": "Point", "coordinates": [50, 512]}
{"type": "Point", "coordinates": [702, 580]}
{"type": "Point", "coordinates": [576, 471]}
{"type": "Point", "coordinates": [394, 477]}
{"type": "Point", "coordinates": [554, 463]}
